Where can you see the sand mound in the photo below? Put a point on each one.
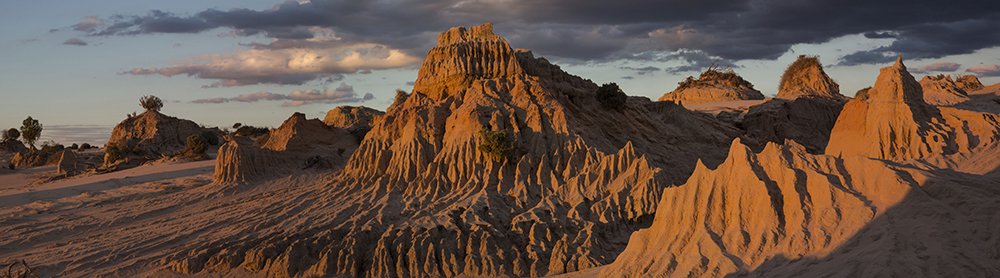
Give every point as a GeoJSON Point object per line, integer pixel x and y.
{"type": "Point", "coordinates": [299, 134]}
{"type": "Point", "coordinates": [893, 122]}
{"type": "Point", "coordinates": [357, 120]}
{"type": "Point", "coordinates": [941, 90]}
{"type": "Point", "coordinates": [712, 86]}
{"type": "Point", "coordinates": [805, 78]}
{"type": "Point", "coordinates": [148, 136]}
{"type": "Point", "coordinates": [420, 198]}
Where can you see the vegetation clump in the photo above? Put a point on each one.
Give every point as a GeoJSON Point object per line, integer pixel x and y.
{"type": "Point", "coordinates": [11, 134]}
{"type": "Point", "coordinates": [497, 145]}
{"type": "Point", "coordinates": [31, 130]}
{"type": "Point", "coordinates": [611, 96]}
{"type": "Point", "coordinates": [151, 103]}
{"type": "Point", "coordinates": [715, 77]}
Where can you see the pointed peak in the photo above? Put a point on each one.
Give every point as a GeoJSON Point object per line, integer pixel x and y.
{"type": "Point", "coordinates": [899, 62]}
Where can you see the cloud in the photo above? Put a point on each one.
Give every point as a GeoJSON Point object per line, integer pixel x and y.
{"type": "Point", "coordinates": [985, 70]}
{"type": "Point", "coordinates": [642, 70]}
{"type": "Point", "coordinates": [590, 30]}
{"type": "Point", "coordinates": [285, 66]}
{"type": "Point", "coordinates": [941, 67]}
{"type": "Point", "coordinates": [88, 24]}
{"type": "Point", "coordinates": [75, 41]}
{"type": "Point", "coordinates": [342, 94]}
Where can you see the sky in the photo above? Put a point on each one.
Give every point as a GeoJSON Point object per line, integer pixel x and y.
{"type": "Point", "coordinates": [80, 66]}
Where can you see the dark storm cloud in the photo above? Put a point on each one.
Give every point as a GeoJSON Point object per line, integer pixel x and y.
{"type": "Point", "coordinates": [593, 30]}
{"type": "Point", "coordinates": [642, 70]}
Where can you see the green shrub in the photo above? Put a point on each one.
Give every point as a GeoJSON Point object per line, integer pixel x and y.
{"type": "Point", "coordinates": [74, 146]}
{"type": "Point", "coordinates": [85, 146]}
{"type": "Point", "coordinates": [496, 145]}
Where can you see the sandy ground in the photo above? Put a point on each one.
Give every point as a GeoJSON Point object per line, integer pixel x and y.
{"type": "Point", "coordinates": [15, 188]}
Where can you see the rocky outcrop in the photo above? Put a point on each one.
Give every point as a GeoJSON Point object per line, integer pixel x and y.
{"type": "Point", "coordinates": [357, 120]}
{"type": "Point", "coordinates": [148, 136]}
{"type": "Point", "coordinates": [68, 163]}
{"type": "Point", "coordinates": [240, 161]}
{"type": "Point", "coordinates": [297, 144]}
{"type": "Point", "coordinates": [806, 120]}
{"type": "Point", "coordinates": [419, 197]}
{"type": "Point", "coordinates": [29, 159]}
{"type": "Point", "coordinates": [805, 78]}
{"type": "Point", "coordinates": [713, 86]}
{"type": "Point", "coordinates": [968, 83]}
{"type": "Point", "coordinates": [786, 213]}
{"type": "Point", "coordinates": [893, 122]}
{"type": "Point", "coordinates": [463, 56]}
{"type": "Point", "coordinates": [941, 90]}
{"type": "Point", "coordinates": [299, 134]}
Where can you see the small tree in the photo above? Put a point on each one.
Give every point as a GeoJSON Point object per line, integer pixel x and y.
{"type": "Point", "coordinates": [237, 125]}
{"type": "Point", "coordinates": [85, 146]}
{"type": "Point", "coordinates": [31, 130]}
{"type": "Point", "coordinates": [11, 134]}
{"type": "Point", "coordinates": [611, 96]}
{"type": "Point", "coordinates": [74, 146]}
{"type": "Point", "coordinates": [497, 145]}
{"type": "Point", "coordinates": [151, 103]}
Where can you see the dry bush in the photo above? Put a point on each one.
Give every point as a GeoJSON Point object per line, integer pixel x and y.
{"type": "Point", "coordinates": [151, 103]}
{"type": "Point", "coordinates": [716, 77]}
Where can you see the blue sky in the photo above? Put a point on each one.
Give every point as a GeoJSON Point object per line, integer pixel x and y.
{"type": "Point", "coordinates": [47, 73]}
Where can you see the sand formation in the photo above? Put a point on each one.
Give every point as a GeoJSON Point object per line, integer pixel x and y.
{"type": "Point", "coordinates": [783, 212]}
{"type": "Point", "coordinates": [297, 143]}
{"type": "Point", "coordinates": [942, 90]}
{"type": "Point", "coordinates": [647, 189]}
{"type": "Point", "coordinates": [419, 199]}
{"type": "Point", "coordinates": [805, 110]}
{"type": "Point", "coordinates": [711, 86]}
{"type": "Point", "coordinates": [357, 120]}
{"type": "Point", "coordinates": [148, 136]}
{"type": "Point", "coordinates": [907, 127]}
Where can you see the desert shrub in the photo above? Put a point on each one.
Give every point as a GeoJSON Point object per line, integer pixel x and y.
{"type": "Point", "coordinates": [496, 145]}
{"type": "Point", "coordinates": [237, 125]}
{"type": "Point", "coordinates": [11, 134]}
{"type": "Point", "coordinates": [151, 103]}
{"type": "Point", "coordinates": [196, 145]}
{"type": "Point", "coordinates": [802, 63]}
{"type": "Point", "coordinates": [31, 130]}
{"type": "Point", "coordinates": [74, 146]}
{"type": "Point", "coordinates": [713, 76]}
{"type": "Point", "coordinates": [611, 96]}
{"type": "Point", "coordinates": [85, 146]}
